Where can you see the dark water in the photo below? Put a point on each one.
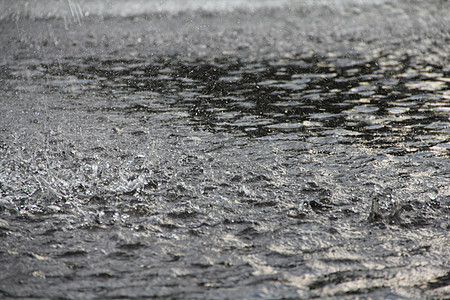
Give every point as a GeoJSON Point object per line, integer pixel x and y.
{"type": "Point", "coordinates": [391, 102]}
{"type": "Point", "coordinates": [281, 152]}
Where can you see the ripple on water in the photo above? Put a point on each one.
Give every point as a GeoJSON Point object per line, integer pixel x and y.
{"type": "Point", "coordinates": [231, 176]}
{"type": "Point", "coordinates": [266, 97]}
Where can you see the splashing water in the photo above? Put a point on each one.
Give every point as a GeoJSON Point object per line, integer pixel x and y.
{"type": "Point", "coordinates": [297, 153]}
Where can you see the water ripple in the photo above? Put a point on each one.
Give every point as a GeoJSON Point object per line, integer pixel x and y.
{"type": "Point", "coordinates": [268, 97]}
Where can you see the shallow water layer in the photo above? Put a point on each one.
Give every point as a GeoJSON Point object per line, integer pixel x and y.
{"type": "Point", "coordinates": [392, 102]}
{"type": "Point", "coordinates": [151, 158]}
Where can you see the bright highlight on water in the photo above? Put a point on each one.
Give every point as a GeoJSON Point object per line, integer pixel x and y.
{"type": "Point", "coordinates": [224, 150]}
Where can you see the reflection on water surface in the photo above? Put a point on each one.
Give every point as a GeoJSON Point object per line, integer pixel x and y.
{"type": "Point", "coordinates": [253, 168]}
{"type": "Point", "coordinates": [391, 101]}
{"type": "Point", "coordinates": [226, 176]}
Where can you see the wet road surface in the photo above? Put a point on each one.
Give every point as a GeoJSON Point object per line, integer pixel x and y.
{"type": "Point", "coordinates": [238, 151]}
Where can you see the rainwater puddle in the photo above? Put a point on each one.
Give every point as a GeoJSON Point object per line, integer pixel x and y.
{"type": "Point", "coordinates": [226, 95]}
{"type": "Point", "coordinates": [187, 150]}
{"type": "Point", "coordinates": [224, 179]}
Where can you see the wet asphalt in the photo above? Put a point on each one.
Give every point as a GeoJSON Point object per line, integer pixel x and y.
{"type": "Point", "coordinates": [287, 152]}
